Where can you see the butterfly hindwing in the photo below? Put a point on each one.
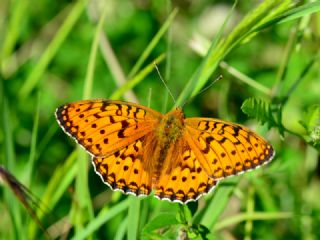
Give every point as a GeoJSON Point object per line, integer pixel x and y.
{"type": "Point", "coordinates": [123, 170]}
{"type": "Point", "coordinates": [186, 181]}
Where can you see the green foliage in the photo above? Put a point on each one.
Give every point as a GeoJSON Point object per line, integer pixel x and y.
{"type": "Point", "coordinates": [268, 55]}
{"type": "Point", "coordinates": [311, 122]}
{"type": "Point", "coordinates": [260, 110]}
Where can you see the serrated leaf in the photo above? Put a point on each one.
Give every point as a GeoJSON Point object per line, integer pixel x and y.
{"type": "Point", "coordinates": [260, 110]}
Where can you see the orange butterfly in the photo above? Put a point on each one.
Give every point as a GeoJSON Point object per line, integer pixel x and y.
{"type": "Point", "coordinates": [136, 149]}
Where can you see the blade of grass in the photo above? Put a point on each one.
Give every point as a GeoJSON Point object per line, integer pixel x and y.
{"type": "Point", "coordinates": [24, 195]}
{"type": "Point", "coordinates": [248, 226]}
{"type": "Point", "coordinates": [193, 82]}
{"type": "Point", "coordinates": [242, 77]}
{"type": "Point", "coordinates": [57, 186]}
{"type": "Point", "coordinates": [35, 45]}
{"type": "Point", "coordinates": [114, 66]}
{"type": "Point", "coordinates": [46, 139]}
{"type": "Point", "coordinates": [133, 218]}
{"type": "Point", "coordinates": [218, 203]}
{"type": "Point", "coordinates": [277, 9]}
{"type": "Point", "coordinates": [240, 32]}
{"type": "Point", "coordinates": [33, 145]}
{"type": "Point", "coordinates": [93, 55]}
{"type": "Point", "coordinates": [256, 216]}
{"type": "Point", "coordinates": [137, 79]}
{"type": "Point", "coordinates": [152, 44]}
{"type": "Point", "coordinates": [264, 194]}
{"type": "Point", "coordinates": [9, 151]}
{"type": "Point", "coordinates": [121, 232]}
{"type": "Point", "coordinates": [103, 216]}
{"type": "Point", "coordinates": [291, 14]}
{"type": "Point", "coordinates": [83, 208]}
{"type": "Point", "coordinates": [10, 162]}
{"type": "Point", "coordinates": [220, 48]}
{"type": "Point", "coordinates": [281, 74]}
{"type": "Point", "coordinates": [18, 13]}
{"type": "Point", "coordinates": [35, 76]}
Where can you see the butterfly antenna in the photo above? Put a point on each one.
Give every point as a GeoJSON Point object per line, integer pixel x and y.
{"type": "Point", "coordinates": [164, 83]}
{"type": "Point", "coordinates": [210, 85]}
{"type": "Point", "coordinates": [206, 88]}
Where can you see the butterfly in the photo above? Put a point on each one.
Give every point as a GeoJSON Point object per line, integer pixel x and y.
{"type": "Point", "coordinates": [138, 150]}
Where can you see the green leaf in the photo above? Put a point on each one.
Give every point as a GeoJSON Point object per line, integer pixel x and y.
{"type": "Point", "coordinates": [311, 123]}
{"type": "Point", "coordinates": [133, 218]}
{"type": "Point", "coordinates": [161, 221]}
{"type": "Point", "coordinates": [260, 110]}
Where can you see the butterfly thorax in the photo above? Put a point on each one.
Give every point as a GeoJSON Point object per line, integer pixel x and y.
{"type": "Point", "coordinates": [170, 126]}
{"type": "Point", "coordinates": [166, 135]}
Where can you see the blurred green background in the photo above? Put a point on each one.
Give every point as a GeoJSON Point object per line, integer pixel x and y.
{"type": "Point", "coordinates": [55, 52]}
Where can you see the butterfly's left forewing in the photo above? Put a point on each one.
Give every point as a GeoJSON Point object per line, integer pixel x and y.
{"type": "Point", "coordinates": [224, 148]}
{"type": "Point", "coordinates": [103, 127]}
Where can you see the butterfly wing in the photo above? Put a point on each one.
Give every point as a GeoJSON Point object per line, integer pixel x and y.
{"type": "Point", "coordinates": [186, 179]}
{"type": "Point", "coordinates": [123, 170]}
{"type": "Point", "coordinates": [225, 149]}
{"type": "Point", "coordinates": [104, 126]}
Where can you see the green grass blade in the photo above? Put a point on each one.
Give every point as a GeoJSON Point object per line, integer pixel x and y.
{"type": "Point", "coordinates": [12, 204]}
{"type": "Point", "coordinates": [121, 232]}
{"type": "Point", "coordinates": [57, 186]}
{"type": "Point", "coordinates": [137, 79]}
{"type": "Point", "coordinates": [247, 80]}
{"type": "Point", "coordinates": [104, 215]}
{"type": "Point", "coordinates": [33, 146]}
{"type": "Point", "coordinates": [84, 205]}
{"type": "Point", "coordinates": [255, 216]}
{"type": "Point", "coordinates": [133, 218]}
{"type": "Point", "coordinates": [291, 14]}
{"type": "Point", "coordinates": [152, 44]}
{"type": "Point", "coordinates": [46, 139]}
{"type": "Point", "coordinates": [218, 203]}
{"type": "Point", "coordinates": [192, 84]}
{"type": "Point", "coordinates": [93, 55]}
{"type": "Point", "coordinates": [219, 50]}
{"type": "Point", "coordinates": [35, 76]}
{"type": "Point", "coordinates": [19, 13]}
{"type": "Point", "coordinates": [9, 156]}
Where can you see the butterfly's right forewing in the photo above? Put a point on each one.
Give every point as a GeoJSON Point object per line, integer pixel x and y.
{"type": "Point", "coordinates": [103, 127]}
